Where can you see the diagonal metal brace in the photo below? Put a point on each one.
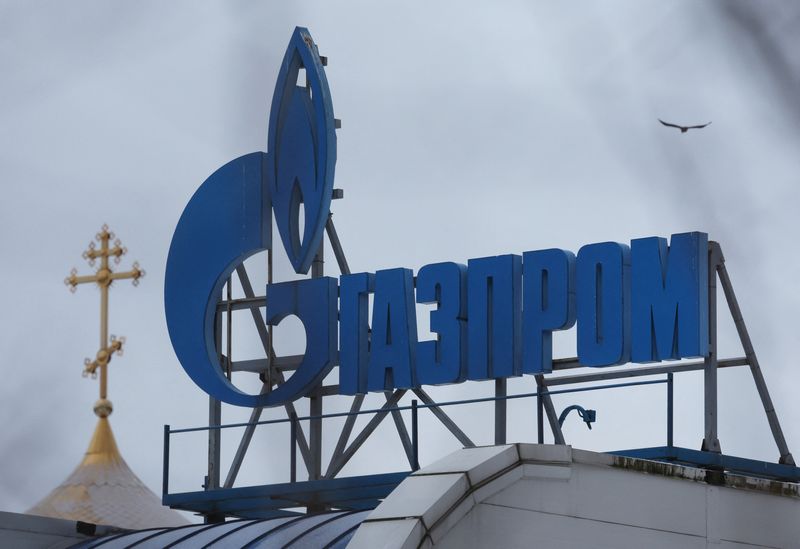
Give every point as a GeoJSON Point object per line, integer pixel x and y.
{"type": "Point", "coordinates": [402, 432]}
{"type": "Point", "coordinates": [368, 429]}
{"type": "Point", "coordinates": [444, 418]}
{"type": "Point", "coordinates": [761, 385]}
{"type": "Point", "coordinates": [261, 326]}
{"type": "Point", "coordinates": [552, 418]}
{"type": "Point", "coordinates": [347, 430]}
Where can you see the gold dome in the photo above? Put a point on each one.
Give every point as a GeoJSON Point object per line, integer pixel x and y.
{"type": "Point", "coordinates": [103, 490]}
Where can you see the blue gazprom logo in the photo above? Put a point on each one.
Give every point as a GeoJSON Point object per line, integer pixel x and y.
{"type": "Point", "coordinates": [229, 218]}
{"type": "Point", "coordinates": [493, 318]}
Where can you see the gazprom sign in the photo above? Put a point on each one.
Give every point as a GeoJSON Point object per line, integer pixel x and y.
{"type": "Point", "coordinates": [492, 318]}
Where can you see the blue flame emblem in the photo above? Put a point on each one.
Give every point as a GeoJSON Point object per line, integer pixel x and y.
{"type": "Point", "coordinates": [229, 218]}
{"type": "Point", "coordinates": [302, 143]}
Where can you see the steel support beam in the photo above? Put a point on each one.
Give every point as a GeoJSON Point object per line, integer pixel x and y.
{"type": "Point", "coordinates": [402, 432]}
{"type": "Point", "coordinates": [291, 362]}
{"type": "Point", "coordinates": [646, 371]}
{"type": "Point", "coordinates": [711, 438]}
{"type": "Point", "coordinates": [368, 429]}
{"type": "Point", "coordinates": [539, 415]}
{"type": "Point", "coordinates": [214, 443]}
{"type": "Point", "coordinates": [315, 407]}
{"type": "Point", "coordinates": [500, 411]}
{"type": "Point", "coordinates": [318, 265]}
{"type": "Point", "coordinates": [315, 436]}
{"type": "Point", "coordinates": [547, 402]}
{"type": "Point", "coordinates": [347, 429]}
{"type": "Point", "coordinates": [264, 335]}
{"type": "Point", "coordinates": [758, 377]}
{"type": "Point", "coordinates": [670, 408]}
{"type": "Point", "coordinates": [214, 418]}
{"type": "Point", "coordinates": [333, 238]}
{"type": "Point", "coordinates": [287, 363]}
{"type": "Point", "coordinates": [244, 444]}
{"type": "Point", "coordinates": [444, 418]}
{"type": "Point", "coordinates": [241, 303]}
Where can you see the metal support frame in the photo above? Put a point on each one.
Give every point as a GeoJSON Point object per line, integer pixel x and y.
{"type": "Point", "coordinates": [229, 328]}
{"type": "Point", "coordinates": [339, 461]}
{"type": "Point", "coordinates": [444, 418]}
{"type": "Point", "coordinates": [293, 447]}
{"type": "Point", "coordinates": [500, 411]}
{"type": "Point", "coordinates": [761, 385]}
{"type": "Point", "coordinates": [165, 467]}
{"type": "Point", "coordinates": [315, 436]}
{"type": "Point", "coordinates": [214, 442]}
{"type": "Point", "coordinates": [241, 503]}
{"type": "Point", "coordinates": [544, 396]}
{"type": "Point", "coordinates": [711, 439]}
{"type": "Point", "coordinates": [400, 425]}
{"type": "Point", "coordinates": [272, 371]}
{"type": "Point", "coordinates": [539, 415]}
{"type": "Point", "coordinates": [414, 436]}
{"type": "Point", "coordinates": [670, 408]}
{"type": "Point", "coordinates": [315, 399]}
{"type": "Point", "coordinates": [347, 430]}
{"type": "Point", "coordinates": [255, 415]}
{"type": "Point", "coordinates": [214, 418]}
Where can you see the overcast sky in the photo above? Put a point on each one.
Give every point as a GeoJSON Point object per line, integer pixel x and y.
{"type": "Point", "coordinates": [467, 132]}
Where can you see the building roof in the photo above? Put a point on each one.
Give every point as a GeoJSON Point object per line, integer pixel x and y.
{"type": "Point", "coordinates": [538, 495]}
{"type": "Point", "coordinates": [324, 530]}
{"type": "Point", "coordinates": [103, 490]}
{"type": "Point", "coordinates": [19, 530]}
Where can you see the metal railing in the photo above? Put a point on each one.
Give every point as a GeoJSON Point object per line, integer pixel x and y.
{"type": "Point", "coordinates": [294, 420]}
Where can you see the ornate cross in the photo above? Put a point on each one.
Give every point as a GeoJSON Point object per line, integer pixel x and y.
{"type": "Point", "coordinates": [103, 277]}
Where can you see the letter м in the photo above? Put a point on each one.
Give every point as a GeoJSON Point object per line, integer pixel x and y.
{"type": "Point", "coordinates": [669, 301]}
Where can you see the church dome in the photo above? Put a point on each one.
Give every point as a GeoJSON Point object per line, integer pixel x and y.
{"type": "Point", "coordinates": [103, 490]}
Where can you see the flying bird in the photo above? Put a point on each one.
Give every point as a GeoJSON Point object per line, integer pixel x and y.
{"type": "Point", "coordinates": [684, 129]}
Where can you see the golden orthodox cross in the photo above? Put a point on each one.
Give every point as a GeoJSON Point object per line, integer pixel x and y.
{"type": "Point", "coordinates": [103, 277]}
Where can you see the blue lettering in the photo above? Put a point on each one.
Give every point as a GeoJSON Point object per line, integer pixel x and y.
{"type": "Point", "coordinates": [548, 278]}
{"type": "Point", "coordinates": [602, 281]}
{"type": "Point", "coordinates": [494, 323]}
{"type": "Point", "coordinates": [669, 311]}
{"type": "Point", "coordinates": [444, 359]}
{"type": "Point", "coordinates": [354, 333]}
{"type": "Point", "coordinates": [394, 331]}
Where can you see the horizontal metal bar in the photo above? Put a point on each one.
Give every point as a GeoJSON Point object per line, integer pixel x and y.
{"type": "Point", "coordinates": [258, 365]}
{"type": "Point", "coordinates": [242, 303]}
{"type": "Point", "coordinates": [434, 405]}
{"type": "Point", "coordinates": [280, 363]}
{"type": "Point", "coordinates": [566, 364]}
{"type": "Point", "coordinates": [638, 372]}
{"type": "Point", "coordinates": [292, 362]}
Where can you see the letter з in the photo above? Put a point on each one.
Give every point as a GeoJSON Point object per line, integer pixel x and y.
{"type": "Point", "coordinates": [444, 359]}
